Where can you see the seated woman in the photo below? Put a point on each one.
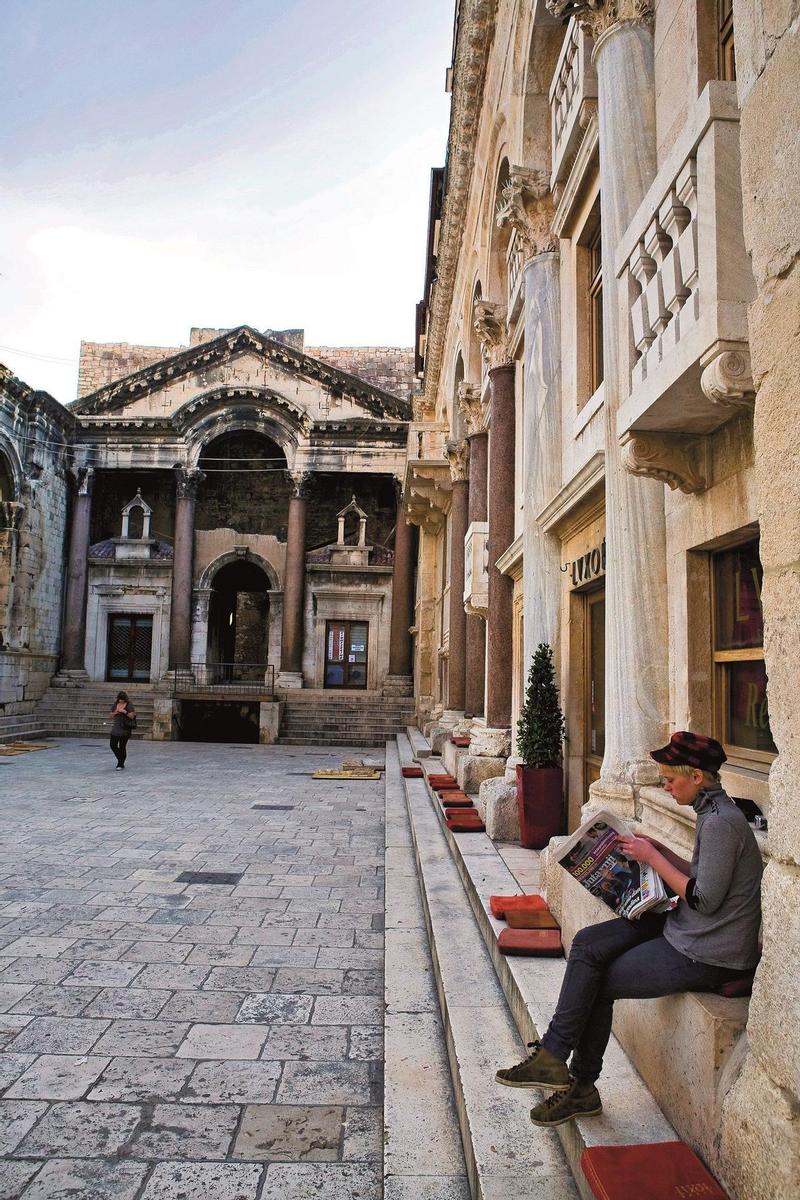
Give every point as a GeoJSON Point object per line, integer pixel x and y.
{"type": "Point", "coordinates": [709, 938]}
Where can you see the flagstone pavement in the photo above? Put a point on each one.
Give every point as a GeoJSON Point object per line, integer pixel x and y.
{"type": "Point", "coordinates": [163, 1039]}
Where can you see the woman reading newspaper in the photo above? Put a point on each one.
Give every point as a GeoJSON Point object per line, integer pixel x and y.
{"type": "Point", "coordinates": [708, 938]}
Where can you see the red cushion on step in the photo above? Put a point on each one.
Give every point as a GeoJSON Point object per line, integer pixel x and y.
{"type": "Point", "coordinates": [462, 742]}
{"type": "Point", "coordinates": [447, 785]}
{"type": "Point", "coordinates": [542, 942]}
{"type": "Point", "coordinates": [655, 1171]}
{"type": "Point", "coordinates": [458, 802]}
{"type": "Point", "coordinates": [538, 918]}
{"type": "Point", "coordinates": [469, 814]}
{"type": "Point", "coordinates": [412, 772]}
{"type": "Point", "coordinates": [500, 905]}
{"type": "Point", "coordinates": [460, 826]}
{"type": "Point", "coordinates": [441, 780]}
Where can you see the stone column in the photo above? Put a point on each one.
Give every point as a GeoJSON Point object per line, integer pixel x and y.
{"type": "Point", "coordinates": [543, 473]}
{"type": "Point", "coordinates": [187, 482]}
{"type": "Point", "coordinates": [458, 456]}
{"type": "Point", "coordinates": [291, 672]}
{"type": "Point", "coordinates": [74, 641]}
{"type": "Point", "coordinates": [399, 680]}
{"type": "Point", "coordinates": [11, 514]}
{"type": "Point", "coordinates": [499, 657]}
{"type": "Point", "coordinates": [475, 631]}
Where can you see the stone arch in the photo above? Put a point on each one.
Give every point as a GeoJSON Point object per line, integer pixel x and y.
{"type": "Point", "coordinates": [273, 575]}
{"type": "Point", "coordinates": [11, 472]}
{"type": "Point", "coordinates": [498, 239]}
{"type": "Point", "coordinates": [472, 363]}
{"type": "Point", "coordinates": [240, 409]}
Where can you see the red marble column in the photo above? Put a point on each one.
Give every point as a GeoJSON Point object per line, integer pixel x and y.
{"type": "Point", "coordinates": [501, 534]}
{"type": "Point", "coordinates": [402, 595]}
{"type": "Point", "coordinates": [74, 640]}
{"type": "Point", "coordinates": [475, 633]}
{"type": "Point", "coordinates": [457, 661]}
{"type": "Point", "coordinates": [294, 589]}
{"type": "Point", "coordinates": [180, 620]}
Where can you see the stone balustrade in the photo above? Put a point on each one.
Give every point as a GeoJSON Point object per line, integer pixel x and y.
{"type": "Point", "coordinates": [574, 86]}
{"type": "Point", "coordinates": [476, 569]}
{"type": "Point", "coordinates": [515, 260]}
{"type": "Point", "coordinates": [686, 282]}
{"type": "Point", "coordinates": [427, 440]}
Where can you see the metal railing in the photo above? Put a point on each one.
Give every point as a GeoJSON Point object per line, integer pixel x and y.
{"type": "Point", "coordinates": [224, 680]}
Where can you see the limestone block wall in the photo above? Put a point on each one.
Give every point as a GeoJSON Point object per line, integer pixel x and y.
{"type": "Point", "coordinates": [760, 1139]}
{"type": "Point", "coordinates": [388, 367]}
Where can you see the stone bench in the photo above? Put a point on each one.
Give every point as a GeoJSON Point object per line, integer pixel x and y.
{"type": "Point", "coordinates": [686, 1047]}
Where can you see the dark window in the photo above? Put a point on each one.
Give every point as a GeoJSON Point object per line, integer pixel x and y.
{"type": "Point", "coordinates": [596, 309]}
{"type": "Point", "coordinates": [130, 640]}
{"type": "Point", "coordinates": [740, 674]}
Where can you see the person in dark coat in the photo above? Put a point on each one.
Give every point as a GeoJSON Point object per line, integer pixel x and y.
{"type": "Point", "coordinates": [123, 719]}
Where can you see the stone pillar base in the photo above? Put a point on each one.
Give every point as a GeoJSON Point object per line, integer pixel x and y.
{"type": "Point", "coordinates": [440, 731]}
{"type": "Point", "coordinates": [70, 679]}
{"type": "Point", "coordinates": [269, 722]}
{"type": "Point", "coordinates": [473, 770]}
{"type": "Point", "coordinates": [489, 743]}
{"type": "Point", "coordinates": [617, 797]}
{"type": "Point", "coordinates": [398, 685]}
{"type": "Point", "coordinates": [164, 714]}
{"type": "Point", "coordinates": [289, 679]}
{"type": "Point", "coordinates": [498, 799]}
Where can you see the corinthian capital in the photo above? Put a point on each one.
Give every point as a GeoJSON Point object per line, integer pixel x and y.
{"type": "Point", "coordinates": [187, 481]}
{"type": "Point", "coordinates": [596, 16]}
{"type": "Point", "coordinates": [457, 455]}
{"type": "Point", "coordinates": [526, 204]}
{"type": "Point", "coordinates": [489, 322]}
{"type": "Point", "coordinates": [470, 407]}
{"type": "Point", "coordinates": [84, 480]}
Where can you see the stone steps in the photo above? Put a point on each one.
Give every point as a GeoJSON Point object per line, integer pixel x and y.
{"type": "Point", "coordinates": [531, 986]}
{"type": "Point", "coordinates": [84, 711]}
{"type": "Point", "coordinates": [328, 719]}
{"type": "Point", "coordinates": [25, 727]}
{"type": "Point", "coordinates": [506, 1156]}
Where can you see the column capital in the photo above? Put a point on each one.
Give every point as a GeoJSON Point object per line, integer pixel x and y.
{"type": "Point", "coordinates": [457, 455]}
{"type": "Point", "coordinates": [187, 481]}
{"type": "Point", "coordinates": [670, 459]}
{"type": "Point", "coordinates": [598, 16]}
{"type": "Point", "coordinates": [489, 322]}
{"type": "Point", "coordinates": [11, 513]}
{"type": "Point", "coordinates": [526, 205]}
{"type": "Point", "coordinates": [84, 480]}
{"type": "Point", "coordinates": [471, 407]}
{"type": "Point", "coordinates": [301, 484]}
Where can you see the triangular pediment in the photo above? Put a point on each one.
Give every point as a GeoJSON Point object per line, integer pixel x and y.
{"type": "Point", "coordinates": [198, 362]}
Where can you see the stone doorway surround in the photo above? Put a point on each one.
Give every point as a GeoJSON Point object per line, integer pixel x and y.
{"type": "Point", "coordinates": [107, 599]}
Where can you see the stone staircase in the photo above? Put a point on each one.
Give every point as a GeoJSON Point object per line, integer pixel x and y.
{"type": "Point", "coordinates": [323, 718]}
{"type": "Point", "coordinates": [85, 710]}
{"type": "Point", "coordinates": [22, 727]}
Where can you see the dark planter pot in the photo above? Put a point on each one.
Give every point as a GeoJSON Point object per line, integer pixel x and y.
{"type": "Point", "coordinates": [540, 801]}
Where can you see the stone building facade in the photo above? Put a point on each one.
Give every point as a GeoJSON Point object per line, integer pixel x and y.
{"type": "Point", "coordinates": [232, 513]}
{"type": "Point", "coordinates": [608, 281]}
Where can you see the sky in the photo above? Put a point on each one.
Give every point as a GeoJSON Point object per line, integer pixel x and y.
{"type": "Point", "coordinates": [169, 164]}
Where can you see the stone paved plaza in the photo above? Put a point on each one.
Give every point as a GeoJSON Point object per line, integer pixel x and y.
{"type": "Point", "coordinates": [173, 1040]}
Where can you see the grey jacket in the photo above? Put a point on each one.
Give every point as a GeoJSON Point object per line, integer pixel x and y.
{"type": "Point", "coordinates": [720, 919]}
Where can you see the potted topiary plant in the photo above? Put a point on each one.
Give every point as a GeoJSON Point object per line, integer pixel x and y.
{"type": "Point", "coordinates": [540, 733]}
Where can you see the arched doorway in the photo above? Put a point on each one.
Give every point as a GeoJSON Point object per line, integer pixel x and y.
{"type": "Point", "coordinates": [238, 621]}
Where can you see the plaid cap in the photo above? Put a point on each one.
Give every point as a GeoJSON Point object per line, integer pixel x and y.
{"type": "Point", "coordinates": [686, 749]}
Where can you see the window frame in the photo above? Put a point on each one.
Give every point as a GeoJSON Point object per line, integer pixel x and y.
{"type": "Point", "coordinates": [726, 41]}
{"type": "Point", "coordinates": [595, 307]}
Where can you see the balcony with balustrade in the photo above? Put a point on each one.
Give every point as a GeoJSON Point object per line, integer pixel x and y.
{"type": "Point", "coordinates": [685, 283]}
{"type": "Point", "coordinates": [427, 479]}
{"type": "Point", "coordinates": [573, 93]}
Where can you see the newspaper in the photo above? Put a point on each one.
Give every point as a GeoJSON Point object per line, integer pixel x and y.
{"type": "Point", "coordinates": [593, 857]}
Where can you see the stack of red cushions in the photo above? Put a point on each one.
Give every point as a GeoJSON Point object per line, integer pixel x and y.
{"type": "Point", "coordinates": [464, 821]}
{"type": "Point", "coordinates": [535, 931]}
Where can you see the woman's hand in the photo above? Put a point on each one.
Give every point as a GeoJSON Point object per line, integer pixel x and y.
{"type": "Point", "coordinates": [641, 849]}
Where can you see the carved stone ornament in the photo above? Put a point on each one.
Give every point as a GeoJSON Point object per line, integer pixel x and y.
{"type": "Point", "coordinates": [471, 407]}
{"type": "Point", "coordinates": [457, 455]}
{"type": "Point", "coordinates": [597, 16]}
{"type": "Point", "coordinates": [728, 381]}
{"type": "Point", "coordinates": [526, 204]}
{"type": "Point", "coordinates": [84, 477]}
{"type": "Point", "coordinates": [301, 481]}
{"type": "Point", "coordinates": [668, 459]}
{"type": "Point", "coordinates": [187, 481]}
{"type": "Point", "coordinates": [489, 322]}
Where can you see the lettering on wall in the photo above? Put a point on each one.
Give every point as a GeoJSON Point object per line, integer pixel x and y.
{"type": "Point", "coordinates": [591, 565]}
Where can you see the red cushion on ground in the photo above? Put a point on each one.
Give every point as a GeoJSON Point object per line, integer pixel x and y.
{"type": "Point", "coordinates": [545, 942]}
{"type": "Point", "coordinates": [500, 905]}
{"type": "Point", "coordinates": [460, 826]}
{"type": "Point", "coordinates": [655, 1171]}
{"type": "Point", "coordinates": [412, 772]}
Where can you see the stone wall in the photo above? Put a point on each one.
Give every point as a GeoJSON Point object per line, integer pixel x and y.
{"type": "Point", "coordinates": [388, 367]}
{"type": "Point", "coordinates": [760, 1140]}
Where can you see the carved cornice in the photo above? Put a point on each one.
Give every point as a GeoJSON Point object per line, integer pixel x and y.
{"type": "Point", "coordinates": [526, 204]}
{"type": "Point", "coordinates": [474, 37]}
{"type": "Point", "coordinates": [670, 459]}
{"type": "Point", "coordinates": [728, 380]}
{"type": "Point", "coordinates": [457, 455]}
{"type": "Point", "coordinates": [187, 481]}
{"type": "Point", "coordinates": [489, 322]}
{"type": "Point", "coordinates": [471, 407]}
{"type": "Point", "coordinates": [598, 16]}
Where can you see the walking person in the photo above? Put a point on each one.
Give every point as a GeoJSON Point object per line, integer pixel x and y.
{"type": "Point", "coordinates": [711, 937]}
{"type": "Point", "coordinates": [122, 725]}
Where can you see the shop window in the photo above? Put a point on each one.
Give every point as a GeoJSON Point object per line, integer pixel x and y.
{"type": "Point", "coordinates": [346, 652]}
{"type": "Point", "coordinates": [740, 678]}
{"type": "Point", "coordinates": [726, 53]}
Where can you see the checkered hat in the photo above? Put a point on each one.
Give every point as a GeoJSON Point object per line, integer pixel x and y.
{"type": "Point", "coordinates": [686, 749]}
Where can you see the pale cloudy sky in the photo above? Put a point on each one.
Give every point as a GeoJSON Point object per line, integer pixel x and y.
{"type": "Point", "coordinates": [165, 164]}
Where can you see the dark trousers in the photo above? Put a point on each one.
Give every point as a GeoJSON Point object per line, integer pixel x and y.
{"type": "Point", "coordinates": [617, 960]}
{"type": "Point", "coordinates": [119, 746]}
